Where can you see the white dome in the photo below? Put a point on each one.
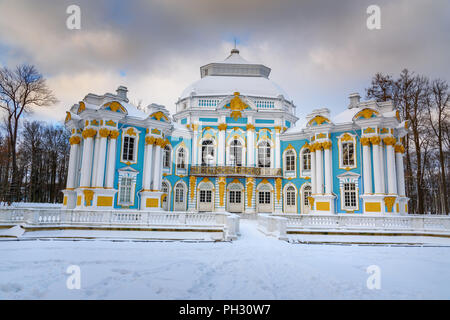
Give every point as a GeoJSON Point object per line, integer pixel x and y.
{"type": "Point", "coordinates": [227, 85]}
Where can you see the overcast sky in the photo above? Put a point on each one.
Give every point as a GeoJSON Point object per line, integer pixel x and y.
{"type": "Point", "coordinates": [319, 51]}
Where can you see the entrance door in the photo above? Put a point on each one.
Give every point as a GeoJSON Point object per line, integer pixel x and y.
{"type": "Point", "coordinates": [180, 198]}
{"type": "Point", "coordinates": [264, 201]}
{"type": "Point", "coordinates": [205, 202]}
{"type": "Point", "coordinates": [236, 201]}
{"type": "Point", "coordinates": [165, 201]}
{"type": "Point", "coordinates": [290, 200]}
{"type": "Point", "coordinates": [306, 207]}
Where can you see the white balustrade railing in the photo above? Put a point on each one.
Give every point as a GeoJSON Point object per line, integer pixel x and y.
{"type": "Point", "coordinates": [275, 224]}
{"type": "Point", "coordinates": [227, 222]}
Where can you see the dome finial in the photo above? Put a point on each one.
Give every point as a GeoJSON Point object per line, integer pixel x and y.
{"type": "Point", "coordinates": [234, 50]}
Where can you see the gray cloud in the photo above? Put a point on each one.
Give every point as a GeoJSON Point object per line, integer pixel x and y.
{"type": "Point", "coordinates": [319, 51]}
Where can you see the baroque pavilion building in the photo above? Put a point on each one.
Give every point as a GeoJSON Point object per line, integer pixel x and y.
{"type": "Point", "coordinates": [232, 145]}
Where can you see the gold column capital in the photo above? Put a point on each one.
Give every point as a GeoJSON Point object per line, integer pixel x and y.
{"type": "Point", "coordinates": [250, 127]}
{"type": "Point", "coordinates": [74, 140]}
{"type": "Point", "coordinates": [365, 141]}
{"type": "Point", "coordinates": [113, 134]}
{"type": "Point", "coordinates": [222, 126]}
{"type": "Point", "coordinates": [103, 132]}
{"type": "Point", "coordinates": [389, 141]}
{"type": "Point", "coordinates": [89, 133]}
{"type": "Point", "coordinates": [375, 140]}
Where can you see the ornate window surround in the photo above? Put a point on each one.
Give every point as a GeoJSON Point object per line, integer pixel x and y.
{"type": "Point", "coordinates": [304, 173]}
{"type": "Point", "coordinates": [290, 173]}
{"type": "Point", "coordinates": [130, 132]}
{"type": "Point", "coordinates": [168, 170]}
{"type": "Point", "coordinates": [348, 177]}
{"type": "Point", "coordinates": [127, 172]}
{"type": "Point", "coordinates": [344, 137]}
{"type": "Point", "coordinates": [285, 196]}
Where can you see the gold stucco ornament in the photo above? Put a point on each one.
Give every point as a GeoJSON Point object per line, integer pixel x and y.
{"type": "Point", "coordinates": [236, 106]}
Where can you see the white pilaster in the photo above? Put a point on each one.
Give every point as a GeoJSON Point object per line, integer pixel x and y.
{"type": "Point", "coordinates": [111, 160]}
{"type": "Point", "coordinates": [101, 155]}
{"type": "Point", "coordinates": [277, 148]}
{"type": "Point", "coordinates": [86, 163]}
{"type": "Point", "coordinates": [157, 169]}
{"type": "Point", "coordinates": [319, 171]}
{"type": "Point", "coordinates": [195, 145]}
{"type": "Point", "coordinates": [148, 158]}
{"type": "Point", "coordinates": [391, 175]}
{"type": "Point", "coordinates": [313, 171]}
{"type": "Point", "coordinates": [328, 171]}
{"type": "Point", "coordinates": [95, 164]}
{"type": "Point", "coordinates": [400, 172]}
{"type": "Point", "coordinates": [250, 145]}
{"type": "Point", "coordinates": [377, 166]}
{"type": "Point", "coordinates": [367, 168]}
{"type": "Point", "coordinates": [73, 157]}
{"type": "Point", "coordinates": [221, 146]}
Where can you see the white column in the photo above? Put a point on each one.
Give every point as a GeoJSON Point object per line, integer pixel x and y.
{"type": "Point", "coordinates": [313, 171]}
{"type": "Point", "coordinates": [157, 168]}
{"type": "Point", "coordinates": [250, 145]}
{"type": "Point", "coordinates": [367, 167]}
{"type": "Point", "coordinates": [382, 168]}
{"type": "Point", "coordinates": [277, 148]}
{"type": "Point", "coordinates": [377, 165]}
{"type": "Point", "coordinates": [194, 145]}
{"type": "Point", "coordinates": [400, 171]}
{"type": "Point", "coordinates": [86, 163]}
{"type": "Point", "coordinates": [328, 170]}
{"type": "Point", "coordinates": [95, 164]}
{"type": "Point", "coordinates": [73, 157]}
{"type": "Point", "coordinates": [101, 155]}
{"type": "Point", "coordinates": [391, 175]}
{"type": "Point", "coordinates": [319, 171]}
{"type": "Point", "coordinates": [221, 146]}
{"type": "Point", "coordinates": [148, 158]}
{"type": "Point", "coordinates": [111, 161]}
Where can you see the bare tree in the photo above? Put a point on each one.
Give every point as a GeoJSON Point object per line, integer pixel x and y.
{"type": "Point", "coordinates": [438, 103]}
{"type": "Point", "coordinates": [21, 90]}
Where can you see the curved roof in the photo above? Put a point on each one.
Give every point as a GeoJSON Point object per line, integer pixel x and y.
{"type": "Point", "coordinates": [226, 85]}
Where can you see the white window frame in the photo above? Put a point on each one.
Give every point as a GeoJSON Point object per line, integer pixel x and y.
{"type": "Point", "coordinates": [169, 168]}
{"type": "Point", "coordinates": [214, 153]}
{"type": "Point", "coordinates": [258, 153]}
{"type": "Point", "coordinates": [345, 178]}
{"type": "Point", "coordinates": [289, 173]}
{"type": "Point", "coordinates": [134, 135]}
{"type": "Point", "coordinates": [341, 151]}
{"type": "Point", "coordinates": [127, 173]}
{"type": "Point", "coordinates": [305, 173]}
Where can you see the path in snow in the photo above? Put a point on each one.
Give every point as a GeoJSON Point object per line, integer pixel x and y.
{"type": "Point", "coordinates": [253, 267]}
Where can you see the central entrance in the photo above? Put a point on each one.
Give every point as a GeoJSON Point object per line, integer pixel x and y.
{"type": "Point", "coordinates": [235, 197]}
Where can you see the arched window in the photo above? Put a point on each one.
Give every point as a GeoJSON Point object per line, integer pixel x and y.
{"type": "Point", "coordinates": [264, 155]}
{"type": "Point", "coordinates": [236, 153]}
{"type": "Point", "coordinates": [165, 191]}
{"type": "Point", "coordinates": [306, 160]}
{"type": "Point", "coordinates": [306, 194]}
{"type": "Point", "coordinates": [290, 161]}
{"type": "Point", "coordinates": [207, 152]}
{"type": "Point", "coordinates": [348, 153]}
{"type": "Point", "coordinates": [166, 157]}
{"type": "Point", "coordinates": [179, 193]}
{"type": "Point", "coordinates": [290, 196]}
{"type": "Point", "coordinates": [181, 159]}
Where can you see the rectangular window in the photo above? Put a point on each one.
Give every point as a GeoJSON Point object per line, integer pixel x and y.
{"type": "Point", "coordinates": [350, 196]}
{"type": "Point", "coordinates": [264, 197]}
{"type": "Point", "coordinates": [235, 196]}
{"type": "Point", "coordinates": [205, 196]}
{"type": "Point", "coordinates": [128, 149]}
{"type": "Point", "coordinates": [125, 189]}
{"type": "Point", "coordinates": [348, 158]}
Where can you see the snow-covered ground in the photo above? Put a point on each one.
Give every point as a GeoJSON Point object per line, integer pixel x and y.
{"type": "Point", "coordinates": [253, 267]}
